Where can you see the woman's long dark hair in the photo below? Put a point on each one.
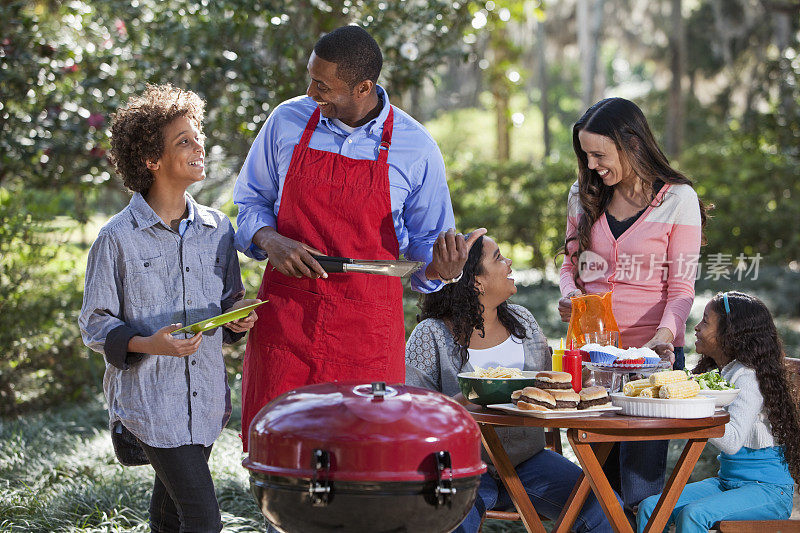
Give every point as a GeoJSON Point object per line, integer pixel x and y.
{"type": "Point", "coordinates": [747, 333]}
{"type": "Point", "coordinates": [623, 122]}
{"type": "Point", "coordinates": [458, 305]}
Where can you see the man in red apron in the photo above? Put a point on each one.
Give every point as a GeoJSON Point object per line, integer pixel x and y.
{"type": "Point", "coordinates": [342, 173]}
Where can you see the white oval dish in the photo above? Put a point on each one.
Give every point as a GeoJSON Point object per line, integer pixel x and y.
{"type": "Point", "coordinates": [722, 398]}
{"type": "Point", "coordinates": [697, 407]}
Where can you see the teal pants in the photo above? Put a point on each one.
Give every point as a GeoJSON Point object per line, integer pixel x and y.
{"type": "Point", "coordinates": [703, 504]}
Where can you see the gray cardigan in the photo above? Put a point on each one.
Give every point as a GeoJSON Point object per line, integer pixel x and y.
{"type": "Point", "coordinates": [431, 363]}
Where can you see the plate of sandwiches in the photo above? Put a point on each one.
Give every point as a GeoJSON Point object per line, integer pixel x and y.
{"type": "Point", "coordinates": [559, 402]}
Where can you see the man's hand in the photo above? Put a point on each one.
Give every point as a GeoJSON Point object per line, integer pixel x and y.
{"type": "Point", "coordinates": [287, 256]}
{"type": "Point", "coordinates": [450, 253]}
{"type": "Point", "coordinates": [243, 324]}
{"type": "Point", "coordinates": [565, 306]}
{"type": "Point", "coordinates": [163, 343]}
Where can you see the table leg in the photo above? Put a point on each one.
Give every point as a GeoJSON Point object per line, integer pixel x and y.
{"type": "Point", "coordinates": [600, 485]}
{"type": "Point", "coordinates": [674, 487]}
{"type": "Point", "coordinates": [529, 516]}
{"type": "Point", "coordinates": [580, 492]}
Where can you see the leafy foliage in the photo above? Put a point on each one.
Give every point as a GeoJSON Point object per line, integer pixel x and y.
{"type": "Point", "coordinates": [65, 67]}
{"type": "Point", "coordinates": [520, 202]}
{"type": "Point", "coordinates": [755, 191]}
{"type": "Point", "coordinates": [40, 297]}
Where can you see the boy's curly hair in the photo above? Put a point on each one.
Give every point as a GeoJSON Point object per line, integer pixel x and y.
{"type": "Point", "coordinates": [137, 130]}
{"type": "Point", "coordinates": [747, 333]}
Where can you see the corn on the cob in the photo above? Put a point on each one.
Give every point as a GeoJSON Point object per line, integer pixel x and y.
{"type": "Point", "coordinates": [669, 376]}
{"type": "Point", "coordinates": [680, 389]}
{"type": "Point", "coordinates": [649, 392]}
{"type": "Point", "coordinates": [633, 388]}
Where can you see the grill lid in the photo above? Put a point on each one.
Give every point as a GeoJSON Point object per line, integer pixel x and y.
{"type": "Point", "coordinates": [369, 432]}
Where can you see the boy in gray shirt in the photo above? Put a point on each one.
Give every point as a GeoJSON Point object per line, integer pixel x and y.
{"type": "Point", "coordinates": [161, 262]}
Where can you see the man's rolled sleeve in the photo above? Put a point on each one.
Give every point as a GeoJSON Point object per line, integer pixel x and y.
{"type": "Point", "coordinates": [427, 212]}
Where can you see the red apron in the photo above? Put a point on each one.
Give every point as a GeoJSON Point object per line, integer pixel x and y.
{"type": "Point", "coordinates": [349, 326]}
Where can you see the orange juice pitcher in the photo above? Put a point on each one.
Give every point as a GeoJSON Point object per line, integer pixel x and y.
{"type": "Point", "coordinates": [591, 314]}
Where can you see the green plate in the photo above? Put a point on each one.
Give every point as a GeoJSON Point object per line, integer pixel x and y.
{"type": "Point", "coordinates": [485, 391]}
{"type": "Point", "coordinates": [219, 320]}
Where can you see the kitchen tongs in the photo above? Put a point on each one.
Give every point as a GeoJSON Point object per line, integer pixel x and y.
{"type": "Point", "coordinates": [384, 268]}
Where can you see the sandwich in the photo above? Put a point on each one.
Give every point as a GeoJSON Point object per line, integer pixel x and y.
{"type": "Point", "coordinates": [566, 400]}
{"type": "Point", "coordinates": [533, 399]}
{"type": "Point", "coordinates": [593, 397]}
{"type": "Point", "coordinates": [553, 380]}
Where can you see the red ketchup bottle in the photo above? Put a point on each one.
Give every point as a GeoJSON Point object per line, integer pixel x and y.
{"type": "Point", "coordinates": [571, 363]}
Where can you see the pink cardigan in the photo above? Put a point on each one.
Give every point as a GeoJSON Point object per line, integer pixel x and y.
{"type": "Point", "coordinates": [651, 268]}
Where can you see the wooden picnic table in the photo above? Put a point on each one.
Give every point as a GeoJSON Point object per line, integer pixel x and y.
{"type": "Point", "coordinates": [592, 438]}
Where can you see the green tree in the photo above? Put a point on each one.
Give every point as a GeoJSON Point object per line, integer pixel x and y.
{"type": "Point", "coordinates": [66, 66]}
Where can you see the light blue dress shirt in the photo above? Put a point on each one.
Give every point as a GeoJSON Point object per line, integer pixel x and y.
{"type": "Point", "coordinates": [420, 198]}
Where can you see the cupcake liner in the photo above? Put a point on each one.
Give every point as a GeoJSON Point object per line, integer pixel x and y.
{"type": "Point", "coordinates": [602, 358]}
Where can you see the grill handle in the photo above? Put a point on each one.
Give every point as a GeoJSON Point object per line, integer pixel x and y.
{"type": "Point", "coordinates": [319, 491]}
{"type": "Point", "coordinates": [332, 264]}
{"type": "Point", "coordinates": [444, 487]}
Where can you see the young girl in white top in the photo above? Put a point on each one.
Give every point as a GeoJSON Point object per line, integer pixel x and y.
{"type": "Point", "coordinates": [760, 459]}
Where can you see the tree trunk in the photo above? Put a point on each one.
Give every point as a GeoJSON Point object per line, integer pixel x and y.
{"type": "Point", "coordinates": [676, 114]}
{"type": "Point", "coordinates": [589, 18]}
{"type": "Point", "coordinates": [541, 43]}
{"type": "Point", "coordinates": [500, 93]}
{"type": "Point", "coordinates": [782, 31]}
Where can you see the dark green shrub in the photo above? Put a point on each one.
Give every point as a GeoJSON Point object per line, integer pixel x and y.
{"type": "Point", "coordinates": [43, 360]}
{"type": "Point", "coordinates": [518, 202]}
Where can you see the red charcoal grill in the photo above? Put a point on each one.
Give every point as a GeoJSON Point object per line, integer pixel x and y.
{"type": "Point", "coordinates": [359, 457]}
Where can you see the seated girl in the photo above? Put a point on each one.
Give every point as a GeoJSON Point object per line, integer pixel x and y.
{"type": "Point", "coordinates": [760, 459]}
{"type": "Point", "coordinates": [470, 323]}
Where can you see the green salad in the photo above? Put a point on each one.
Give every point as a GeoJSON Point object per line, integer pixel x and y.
{"type": "Point", "coordinates": [712, 380]}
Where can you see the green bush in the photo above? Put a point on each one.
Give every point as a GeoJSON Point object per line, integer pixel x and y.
{"type": "Point", "coordinates": [754, 187]}
{"type": "Point", "coordinates": [40, 298]}
{"type": "Point", "coordinates": [518, 202]}
{"type": "Point", "coordinates": [752, 184]}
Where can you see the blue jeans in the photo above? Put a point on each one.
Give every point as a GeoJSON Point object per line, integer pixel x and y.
{"type": "Point", "coordinates": [183, 492]}
{"type": "Point", "coordinates": [680, 359]}
{"type": "Point", "coordinates": [548, 479]}
{"type": "Point", "coordinates": [706, 502]}
{"type": "Point", "coordinates": [637, 469]}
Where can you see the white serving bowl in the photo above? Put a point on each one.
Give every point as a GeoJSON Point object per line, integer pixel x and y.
{"type": "Point", "coordinates": [722, 398]}
{"type": "Point", "coordinates": [698, 407]}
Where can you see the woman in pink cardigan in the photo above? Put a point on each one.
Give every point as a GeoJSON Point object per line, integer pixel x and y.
{"type": "Point", "coordinates": [633, 228]}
